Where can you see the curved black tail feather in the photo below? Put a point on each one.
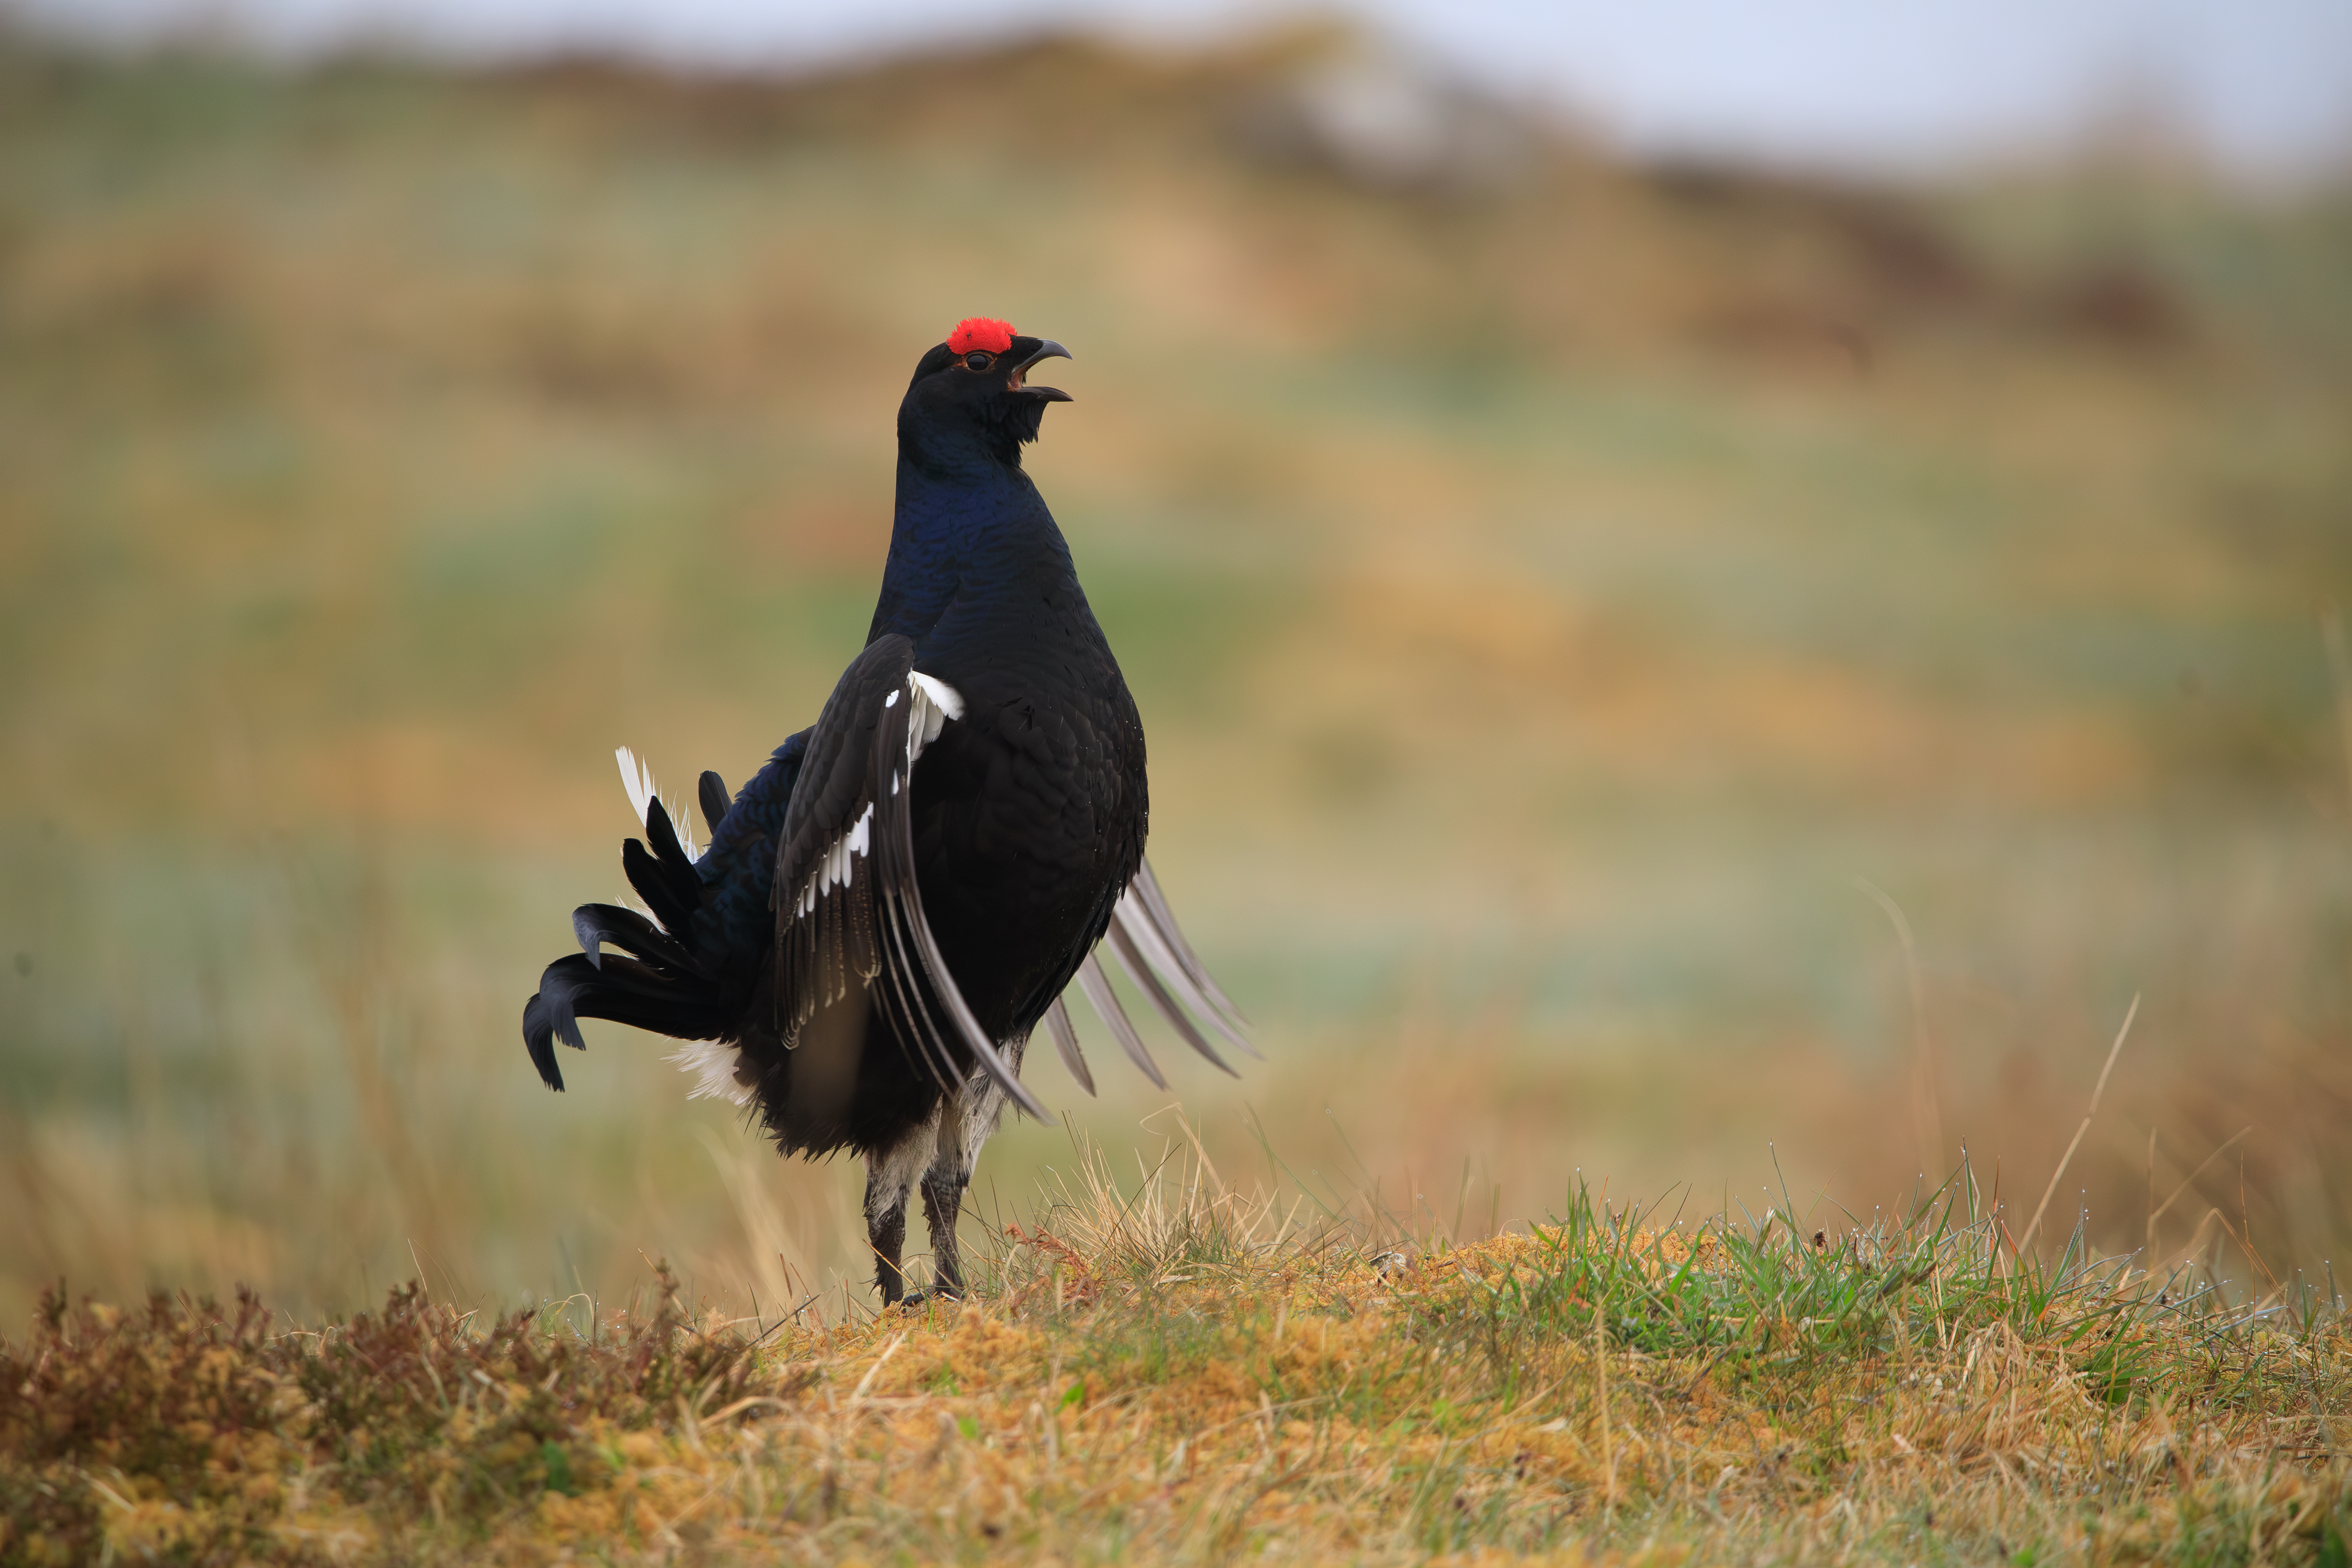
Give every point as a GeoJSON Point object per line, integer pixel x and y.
{"type": "Point", "coordinates": [664, 877]}
{"type": "Point", "coordinates": [654, 979]}
{"type": "Point", "coordinates": [710, 793]}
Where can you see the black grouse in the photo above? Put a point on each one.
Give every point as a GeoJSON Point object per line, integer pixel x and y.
{"type": "Point", "coordinates": [901, 894]}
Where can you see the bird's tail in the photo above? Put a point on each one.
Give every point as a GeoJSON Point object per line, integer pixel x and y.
{"type": "Point", "coordinates": [654, 979]}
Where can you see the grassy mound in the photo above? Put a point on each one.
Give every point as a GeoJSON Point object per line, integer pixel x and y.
{"type": "Point", "coordinates": [1180, 1374]}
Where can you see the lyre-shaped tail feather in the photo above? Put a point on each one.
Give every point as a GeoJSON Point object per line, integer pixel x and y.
{"type": "Point", "coordinates": [643, 996]}
{"type": "Point", "coordinates": [654, 979]}
{"type": "Point", "coordinates": [710, 793]}
{"type": "Point", "coordinates": [596, 924]}
{"type": "Point", "coordinates": [664, 877]}
{"type": "Point", "coordinates": [637, 778]}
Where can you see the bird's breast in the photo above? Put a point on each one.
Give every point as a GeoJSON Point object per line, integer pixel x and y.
{"type": "Point", "coordinates": [1039, 775]}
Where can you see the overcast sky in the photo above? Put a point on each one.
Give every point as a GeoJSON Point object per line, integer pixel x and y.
{"type": "Point", "coordinates": [2264, 86]}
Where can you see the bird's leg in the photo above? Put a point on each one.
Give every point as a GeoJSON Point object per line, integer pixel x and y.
{"type": "Point", "coordinates": [943, 1187]}
{"type": "Point", "coordinates": [888, 1176]}
{"type": "Point", "coordinates": [942, 1202]}
{"type": "Point", "coordinates": [966, 1120]}
{"type": "Point", "coordinates": [885, 1233]}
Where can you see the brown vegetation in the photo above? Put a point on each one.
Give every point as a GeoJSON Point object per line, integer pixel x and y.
{"type": "Point", "coordinates": [1172, 1373]}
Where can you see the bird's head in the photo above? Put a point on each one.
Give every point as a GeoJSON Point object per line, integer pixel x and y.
{"type": "Point", "coordinates": [972, 391]}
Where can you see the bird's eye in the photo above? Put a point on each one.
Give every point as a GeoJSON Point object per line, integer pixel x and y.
{"type": "Point", "coordinates": [978, 359]}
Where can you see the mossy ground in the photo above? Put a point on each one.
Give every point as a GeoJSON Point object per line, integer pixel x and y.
{"type": "Point", "coordinates": [1179, 1374]}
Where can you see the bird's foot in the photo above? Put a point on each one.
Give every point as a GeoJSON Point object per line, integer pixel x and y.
{"type": "Point", "coordinates": [915, 1300]}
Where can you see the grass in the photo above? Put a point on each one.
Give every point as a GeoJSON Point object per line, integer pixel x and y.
{"type": "Point", "coordinates": [1164, 1370]}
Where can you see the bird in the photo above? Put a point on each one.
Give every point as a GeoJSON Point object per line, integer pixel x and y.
{"type": "Point", "coordinates": [902, 893]}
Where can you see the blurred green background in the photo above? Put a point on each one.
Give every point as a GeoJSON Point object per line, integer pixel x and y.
{"type": "Point", "coordinates": [1553, 587]}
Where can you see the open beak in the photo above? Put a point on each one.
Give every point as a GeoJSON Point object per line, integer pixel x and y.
{"type": "Point", "coordinates": [1049, 348]}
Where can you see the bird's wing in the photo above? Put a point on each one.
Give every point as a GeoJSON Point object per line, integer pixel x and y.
{"type": "Point", "coordinates": [848, 910]}
{"type": "Point", "coordinates": [1151, 950]}
{"type": "Point", "coordinates": [1144, 911]}
{"type": "Point", "coordinates": [1097, 986]}
{"type": "Point", "coordinates": [1066, 1041]}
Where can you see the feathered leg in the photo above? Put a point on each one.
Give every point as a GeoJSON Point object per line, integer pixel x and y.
{"type": "Point", "coordinates": [966, 1120]}
{"type": "Point", "coordinates": [943, 1188]}
{"type": "Point", "coordinates": [890, 1177]}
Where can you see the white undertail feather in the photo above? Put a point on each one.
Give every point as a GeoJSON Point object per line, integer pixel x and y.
{"type": "Point", "coordinates": [637, 778]}
{"type": "Point", "coordinates": [712, 1065]}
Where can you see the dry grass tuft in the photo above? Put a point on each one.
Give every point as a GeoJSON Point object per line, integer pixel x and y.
{"type": "Point", "coordinates": [1173, 1371]}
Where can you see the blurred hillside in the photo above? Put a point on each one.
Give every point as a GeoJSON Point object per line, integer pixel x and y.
{"type": "Point", "coordinates": [1549, 586]}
